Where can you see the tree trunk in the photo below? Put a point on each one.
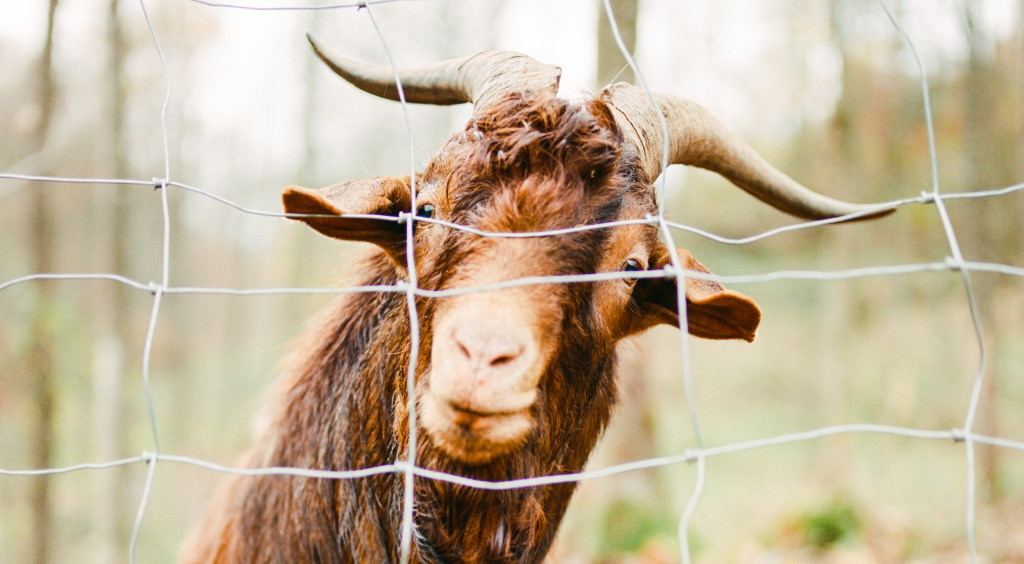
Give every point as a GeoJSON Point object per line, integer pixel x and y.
{"type": "Point", "coordinates": [992, 160]}
{"type": "Point", "coordinates": [41, 367]}
{"type": "Point", "coordinates": [41, 362]}
{"type": "Point", "coordinates": [112, 317]}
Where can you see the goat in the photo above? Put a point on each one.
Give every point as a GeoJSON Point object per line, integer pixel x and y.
{"type": "Point", "coordinates": [509, 383]}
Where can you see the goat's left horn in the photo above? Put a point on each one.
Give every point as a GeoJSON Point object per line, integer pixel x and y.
{"type": "Point", "coordinates": [697, 138]}
{"type": "Point", "coordinates": [480, 79]}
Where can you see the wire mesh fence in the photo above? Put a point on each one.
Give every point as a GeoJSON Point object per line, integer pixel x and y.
{"type": "Point", "coordinates": [935, 200]}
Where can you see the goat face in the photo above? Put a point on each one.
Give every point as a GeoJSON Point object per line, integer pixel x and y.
{"type": "Point", "coordinates": [529, 161]}
{"type": "Point", "coordinates": [534, 163]}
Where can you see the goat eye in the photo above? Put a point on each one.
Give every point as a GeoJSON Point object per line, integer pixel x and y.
{"type": "Point", "coordinates": [426, 211]}
{"type": "Point", "coordinates": [632, 265]}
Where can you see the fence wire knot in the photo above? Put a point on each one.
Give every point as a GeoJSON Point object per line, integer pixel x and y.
{"type": "Point", "coordinates": [928, 197]}
{"type": "Point", "coordinates": [148, 456]}
{"type": "Point", "coordinates": [958, 435]}
{"type": "Point", "coordinates": [693, 454]}
{"type": "Point", "coordinates": [159, 183]}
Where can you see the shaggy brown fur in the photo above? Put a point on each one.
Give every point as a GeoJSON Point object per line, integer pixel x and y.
{"type": "Point", "coordinates": [533, 162]}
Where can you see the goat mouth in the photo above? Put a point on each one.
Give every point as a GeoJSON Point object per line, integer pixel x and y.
{"type": "Point", "coordinates": [471, 435]}
{"type": "Point", "coordinates": [467, 418]}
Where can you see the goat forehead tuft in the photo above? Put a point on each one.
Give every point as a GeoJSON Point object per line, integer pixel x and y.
{"type": "Point", "coordinates": [537, 134]}
{"type": "Point", "coordinates": [533, 162]}
{"type": "Point", "coordinates": [540, 134]}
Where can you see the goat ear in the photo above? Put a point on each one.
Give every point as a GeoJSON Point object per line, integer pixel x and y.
{"type": "Point", "coordinates": [372, 196]}
{"type": "Point", "coordinates": [712, 312]}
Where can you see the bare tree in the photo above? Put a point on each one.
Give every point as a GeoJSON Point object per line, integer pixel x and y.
{"type": "Point", "coordinates": [113, 319]}
{"type": "Point", "coordinates": [41, 363]}
{"type": "Point", "coordinates": [991, 129]}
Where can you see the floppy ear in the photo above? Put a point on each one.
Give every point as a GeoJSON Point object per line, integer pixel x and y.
{"type": "Point", "coordinates": [374, 196]}
{"type": "Point", "coordinates": [712, 312]}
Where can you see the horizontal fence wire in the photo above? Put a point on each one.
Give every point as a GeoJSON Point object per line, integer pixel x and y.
{"type": "Point", "coordinates": [690, 455]}
{"type": "Point", "coordinates": [955, 262]}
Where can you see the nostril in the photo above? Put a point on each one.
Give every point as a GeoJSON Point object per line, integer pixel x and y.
{"type": "Point", "coordinates": [502, 360]}
{"type": "Point", "coordinates": [463, 350]}
{"type": "Point", "coordinates": [486, 349]}
{"type": "Point", "coordinates": [504, 355]}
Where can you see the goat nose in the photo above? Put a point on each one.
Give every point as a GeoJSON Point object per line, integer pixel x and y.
{"type": "Point", "coordinates": [488, 349]}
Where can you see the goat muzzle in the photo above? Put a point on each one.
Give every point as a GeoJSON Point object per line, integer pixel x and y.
{"type": "Point", "coordinates": [487, 361]}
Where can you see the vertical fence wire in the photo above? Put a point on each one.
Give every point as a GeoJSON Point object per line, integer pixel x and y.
{"type": "Point", "coordinates": [409, 483]}
{"type": "Point", "coordinates": [957, 259]}
{"type": "Point", "coordinates": [159, 184]}
{"type": "Point", "coordinates": [408, 468]}
{"type": "Point", "coordinates": [680, 273]}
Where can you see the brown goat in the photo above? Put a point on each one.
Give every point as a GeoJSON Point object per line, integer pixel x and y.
{"type": "Point", "coordinates": [510, 383]}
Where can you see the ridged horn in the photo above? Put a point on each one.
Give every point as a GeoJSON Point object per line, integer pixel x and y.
{"type": "Point", "coordinates": [697, 138]}
{"type": "Point", "coordinates": [480, 79]}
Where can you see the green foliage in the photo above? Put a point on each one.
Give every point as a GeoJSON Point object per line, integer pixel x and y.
{"type": "Point", "coordinates": [830, 525]}
{"type": "Point", "coordinates": [628, 526]}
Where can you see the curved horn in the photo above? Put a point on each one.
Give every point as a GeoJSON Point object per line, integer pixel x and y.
{"type": "Point", "coordinates": [697, 138]}
{"type": "Point", "coordinates": [479, 79]}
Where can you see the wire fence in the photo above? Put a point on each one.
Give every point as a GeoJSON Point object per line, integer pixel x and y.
{"type": "Point", "coordinates": [965, 434]}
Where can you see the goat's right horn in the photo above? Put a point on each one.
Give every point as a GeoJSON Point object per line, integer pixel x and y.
{"type": "Point", "coordinates": [480, 79]}
{"type": "Point", "coordinates": [697, 138]}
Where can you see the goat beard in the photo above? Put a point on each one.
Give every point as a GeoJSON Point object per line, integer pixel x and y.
{"type": "Point", "coordinates": [520, 523]}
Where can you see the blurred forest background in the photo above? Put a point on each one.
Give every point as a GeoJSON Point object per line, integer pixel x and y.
{"type": "Point", "coordinates": [826, 89]}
